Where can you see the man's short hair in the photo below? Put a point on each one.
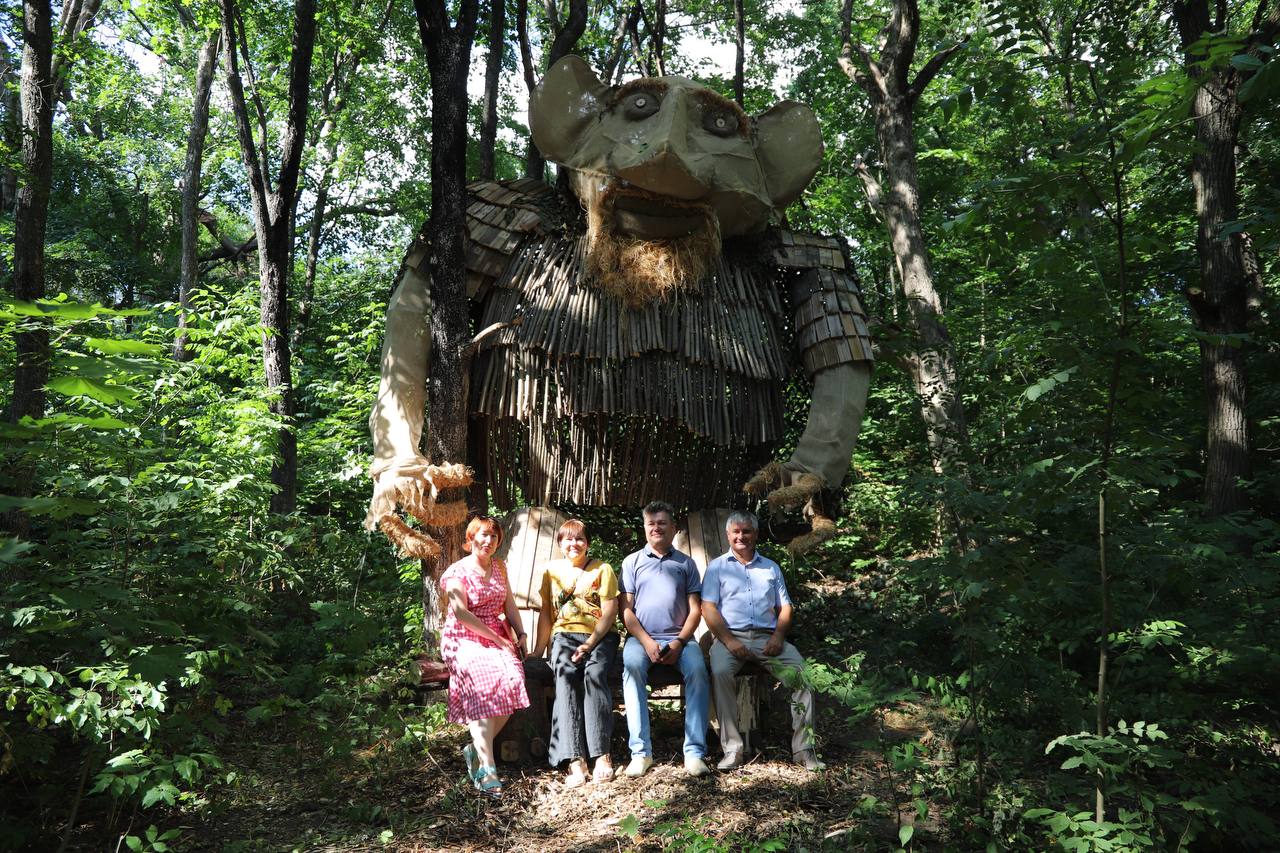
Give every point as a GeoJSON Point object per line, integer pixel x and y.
{"type": "Point", "coordinates": [743, 518]}
{"type": "Point", "coordinates": [655, 507]}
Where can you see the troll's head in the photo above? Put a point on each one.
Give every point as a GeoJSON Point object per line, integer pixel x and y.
{"type": "Point", "coordinates": [665, 168]}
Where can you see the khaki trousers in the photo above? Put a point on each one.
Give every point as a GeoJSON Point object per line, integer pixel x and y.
{"type": "Point", "coordinates": [724, 667]}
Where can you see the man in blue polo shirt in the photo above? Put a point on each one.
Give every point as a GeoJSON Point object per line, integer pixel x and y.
{"type": "Point", "coordinates": [746, 605]}
{"type": "Point", "coordinates": [661, 609]}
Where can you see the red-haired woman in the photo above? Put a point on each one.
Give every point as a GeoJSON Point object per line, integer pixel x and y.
{"type": "Point", "coordinates": [486, 680]}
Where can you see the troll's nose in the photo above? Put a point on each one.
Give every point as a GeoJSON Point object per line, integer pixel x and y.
{"type": "Point", "coordinates": [657, 155]}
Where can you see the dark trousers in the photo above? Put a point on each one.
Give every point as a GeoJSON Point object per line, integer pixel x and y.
{"type": "Point", "coordinates": [582, 716]}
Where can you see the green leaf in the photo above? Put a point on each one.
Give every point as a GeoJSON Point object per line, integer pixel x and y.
{"type": "Point", "coordinates": [629, 826]}
{"type": "Point", "coordinates": [164, 791]}
{"type": "Point", "coordinates": [112, 346]}
{"type": "Point", "coordinates": [12, 549]}
{"type": "Point", "coordinates": [904, 835]}
{"type": "Point", "coordinates": [52, 507]}
{"type": "Point", "coordinates": [160, 663]}
{"type": "Point", "coordinates": [82, 386]}
{"type": "Point", "coordinates": [1263, 85]}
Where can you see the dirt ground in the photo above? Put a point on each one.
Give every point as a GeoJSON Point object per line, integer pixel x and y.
{"type": "Point", "coordinates": [287, 797]}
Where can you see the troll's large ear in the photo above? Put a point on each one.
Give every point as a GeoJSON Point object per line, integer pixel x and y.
{"type": "Point", "coordinates": [789, 146]}
{"type": "Point", "coordinates": [564, 104]}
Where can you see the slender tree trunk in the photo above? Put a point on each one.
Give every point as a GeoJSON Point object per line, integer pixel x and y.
{"type": "Point", "coordinates": [566, 39]}
{"type": "Point", "coordinates": [1219, 303]}
{"type": "Point", "coordinates": [612, 69]}
{"type": "Point", "coordinates": [740, 43]}
{"type": "Point", "coordinates": [448, 50]}
{"type": "Point", "coordinates": [273, 224]}
{"type": "Point", "coordinates": [643, 65]}
{"type": "Point", "coordinates": [893, 98]}
{"type": "Point", "coordinates": [191, 174]}
{"type": "Point", "coordinates": [934, 376]}
{"type": "Point", "coordinates": [10, 83]}
{"type": "Point", "coordinates": [534, 165]}
{"type": "Point", "coordinates": [31, 345]}
{"type": "Point", "coordinates": [492, 75]}
{"type": "Point", "coordinates": [314, 233]}
{"type": "Point", "coordinates": [659, 36]}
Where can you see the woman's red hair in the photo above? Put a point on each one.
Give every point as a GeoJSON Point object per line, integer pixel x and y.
{"type": "Point", "coordinates": [482, 521]}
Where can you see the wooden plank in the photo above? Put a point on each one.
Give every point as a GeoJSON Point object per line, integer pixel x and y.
{"type": "Point", "coordinates": [549, 522]}
{"type": "Point", "coordinates": [523, 560]}
{"type": "Point", "coordinates": [697, 550]}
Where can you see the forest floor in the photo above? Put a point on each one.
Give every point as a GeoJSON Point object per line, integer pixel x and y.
{"type": "Point", "coordinates": [289, 797]}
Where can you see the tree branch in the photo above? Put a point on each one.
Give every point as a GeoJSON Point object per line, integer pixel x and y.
{"type": "Point", "coordinates": [257, 101]}
{"type": "Point", "coordinates": [567, 38]}
{"type": "Point", "coordinates": [870, 184]}
{"type": "Point", "coordinates": [248, 148]}
{"type": "Point", "coordinates": [933, 66]}
{"type": "Point", "coordinates": [301, 53]}
{"type": "Point", "coordinates": [872, 80]}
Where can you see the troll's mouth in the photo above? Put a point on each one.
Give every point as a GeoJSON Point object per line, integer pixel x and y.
{"type": "Point", "coordinates": [647, 216]}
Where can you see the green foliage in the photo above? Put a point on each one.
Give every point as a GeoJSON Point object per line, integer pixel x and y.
{"type": "Point", "coordinates": [152, 612]}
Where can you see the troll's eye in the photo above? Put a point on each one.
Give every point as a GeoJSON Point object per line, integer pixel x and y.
{"type": "Point", "coordinates": [720, 122]}
{"type": "Point", "coordinates": [639, 105]}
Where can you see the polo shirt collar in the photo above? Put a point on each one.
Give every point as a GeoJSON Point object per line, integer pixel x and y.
{"type": "Point", "coordinates": [755, 558]}
{"type": "Point", "coordinates": [649, 552]}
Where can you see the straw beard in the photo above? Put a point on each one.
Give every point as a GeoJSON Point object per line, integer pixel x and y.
{"type": "Point", "coordinates": [640, 271]}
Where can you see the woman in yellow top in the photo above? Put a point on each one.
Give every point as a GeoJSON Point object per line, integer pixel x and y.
{"type": "Point", "coordinates": [579, 606]}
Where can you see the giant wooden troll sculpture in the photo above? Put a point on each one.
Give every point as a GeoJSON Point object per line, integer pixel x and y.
{"type": "Point", "coordinates": [639, 351]}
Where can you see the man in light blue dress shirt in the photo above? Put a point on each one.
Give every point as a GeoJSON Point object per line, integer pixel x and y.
{"type": "Point", "coordinates": [746, 605]}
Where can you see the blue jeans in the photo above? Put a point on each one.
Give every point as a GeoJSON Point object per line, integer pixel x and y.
{"type": "Point", "coordinates": [697, 698]}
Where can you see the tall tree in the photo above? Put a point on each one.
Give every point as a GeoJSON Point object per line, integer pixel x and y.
{"type": "Point", "coordinates": [448, 50]}
{"type": "Point", "coordinates": [1220, 302]}
{"type": "Point", "coordinates": [893, 94]}
{"type": "Point", "coordinates": [10, 85]}
{"type": "Point", "coordinates": [740, 44]}
{"type": "Point", "coordinates": [273, 219]}
{"type": "Point", "coordinates": [36, 99]}
{"type": "Point", "coordinates": [565, 40]}
{"type": "Point", "coordinates": [492, 75]}
{"type": "Point", "coordinates": [335, 95]}
{"type": "Point", "coordinates": [192, 169]}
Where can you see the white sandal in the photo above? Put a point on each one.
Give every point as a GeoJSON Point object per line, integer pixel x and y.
{"type": "Point", "coordinates": [577, 774]}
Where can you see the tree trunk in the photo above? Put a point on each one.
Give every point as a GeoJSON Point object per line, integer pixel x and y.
{"type": "Point", "coordinates": [740, 43]}
{"type": "Point", "coordinates": [613, 67]}
{"type": "Point", "coordinates": [566, 39]}
{"type": "Point", "coordinates": [934, 371]}
{"type": "Point", "coordinates": [273, 224]}
{"type": "Point", "coordinates": [31, 345]}
{"type": "Point", "coordinates": [893, 99]}
{"type": "Point", "coordinates": [658, 39]}
{"type": "Point", "coordinates": [191, 173]}
{"type": "Point", "coordinates": [314, 234]}
{"type": "Point", "coordinates": [448, 50]}
{"type": "Point", "coordinates": [10, 84]}
{"type": "Point", "coordinates": [1219, 304]}
{"type": "Point", "coordinates": [492, 74]}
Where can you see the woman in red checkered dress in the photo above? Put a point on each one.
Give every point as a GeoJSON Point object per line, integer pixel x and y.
{"type": "Point", "coordinates": [486, 679]}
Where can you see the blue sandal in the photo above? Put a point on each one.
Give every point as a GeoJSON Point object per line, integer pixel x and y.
{"type": "Point", "coordinates": [473, 764]}
{"type": "Point", "coordinates": [488, 783]}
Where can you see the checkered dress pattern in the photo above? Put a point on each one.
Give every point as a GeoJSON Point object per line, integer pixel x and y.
{"type": "Point", "coordinates": [484, 680]}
